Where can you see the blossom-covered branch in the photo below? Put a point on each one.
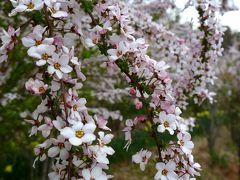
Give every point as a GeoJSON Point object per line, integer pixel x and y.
{"type": "Point", "coordinates": [76, 140]}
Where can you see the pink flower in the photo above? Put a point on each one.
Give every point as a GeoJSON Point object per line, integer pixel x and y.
{"type": "Point", "coordinates": [166, 171]}
{"type": "Point", "coordinates": [55, 9]}
{"type": "Point", "coordinates": [42, 52]}
{"type": "Point", "coordinates": [117, 53]}
{"type": "Point", "coordinates": [184, 140]}
{"type": "Point", "coordinates": [167, 122]}
{"type": "Point", "coordinates": [36, 121]}
{"type": "Point", "coordinates": [40, 152]}
{"type": "Point", "coordinates": [36, 38]}
{"type": "Point", "coordinates": [142, 158]}
{"type": "Point", "coordinates": [94, 173]}
{"type": "Point", "coordinates": [36, 86]}
{"type": "Point", "coordinates": [77, 107]}
{"type": "Point", "coordinates": [26, 5]}
{"type": "Point", "coordinates": [8, 40]}
{"type": "Point", "coordinates": [58, 41]}
{"type": "Point", "coordinates": [61, 147]}
{"type": "Point", "coordinates": [59, 65]}
{"type": "Point", "coordinates": [102, 123]}
{"type": "Point", "coordinates": [47, 127]}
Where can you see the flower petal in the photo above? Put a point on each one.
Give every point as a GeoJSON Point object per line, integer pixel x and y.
{"type": "Point", "coordinates": [68, 132]}
{"type": "Point", "coordinates": [75, 141]}
{"type": "Point", "coordinates": [88, 138]}
{"type": "Point", "coordinates": [89, 128]}
{"type": "Point", "coordinates": [53, 151]}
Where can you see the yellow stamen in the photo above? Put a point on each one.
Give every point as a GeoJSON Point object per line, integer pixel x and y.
{"type": "Point", "coordinates": [119, 53]}
{"type": "Point", "coordinates": [166, 124]}
{"type": "Point", "coordinates": [41, 90]}
{"type": "Point", "coordinates": [181, 142]}
{"type": "Point", "coordinates": [57, 66]}
{"type": "Point", "coordinates": [30, 5]}
{"type": "Point", "coordinates": [79, 134]}
{"type": "Point", "coordinates": [37, 43]}
{"type": "Point", "coordinates": [45, 56]}
{"type": "Point", "coordinates": [164, 172]}
{"type": "Point", "coordinates": [61, 145]}
{"type": "Point", "coordinates": [75, 107]}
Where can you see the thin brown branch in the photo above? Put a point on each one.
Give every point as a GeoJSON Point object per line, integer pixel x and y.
{"type": "Point", "coordinates": [49, 23]}
{"type": "Point", "coordinates": [64, 100]}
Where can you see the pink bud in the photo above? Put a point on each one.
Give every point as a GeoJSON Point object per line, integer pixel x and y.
{"type": "Point", "coordinates": [140, 118]}
{"type": "Point", "coordinates": [138, 104]}
{"type": "Point", "coordinates": [132, 91]}
{"type": "Point", "coordinates": [11, 31]}
{"type": "Point", "coordinates": [58, 41]}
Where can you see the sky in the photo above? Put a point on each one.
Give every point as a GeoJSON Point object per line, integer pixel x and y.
{"type": "Point", "coordinates": [231, 18]}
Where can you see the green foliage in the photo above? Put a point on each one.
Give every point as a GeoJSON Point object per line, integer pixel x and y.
{"type": "Point", "coordinates": [37, 17]}
{"type": "Point", "coordinates": [103, 47]}
{"type": "Point", "coordinates": [87, 5]}
{"type": "Point", "coordinates": [140, 139]}
{"type": "Point", "coordinates": [87, 53]}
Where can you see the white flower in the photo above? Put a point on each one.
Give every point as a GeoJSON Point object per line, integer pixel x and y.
{"type": "Point", "coordinates": [42, 52]}
{"type": "Point", "coordinates": [95, 173]}
{"type": "Point", "coordinates": [59, 65]}
{"type": "Point", "coordinates": [79, 133]}
{"type": "Point", "coordinates": [184, 140]}
{"type": "Point", "coordinates": [141, 158]}
{"type": "Point", "coordinates": [167, 122]}
{"type": "Point", "coordinates": [60, 147]}
{"type": "Point", "coordinates": [166, 171]}
{"type": "Point", "coordinates": [26, 5]}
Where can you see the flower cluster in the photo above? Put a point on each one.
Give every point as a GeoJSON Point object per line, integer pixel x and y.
{"type": "Point", "coordinates": [73, 138]}
{"type": "Point", "coordinates": [53, 7]}
{"type": "Point", "coordinates": [191, 74]}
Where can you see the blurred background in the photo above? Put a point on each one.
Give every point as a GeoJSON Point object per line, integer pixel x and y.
{"type": "Point", "coordinates": [216, 134]}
